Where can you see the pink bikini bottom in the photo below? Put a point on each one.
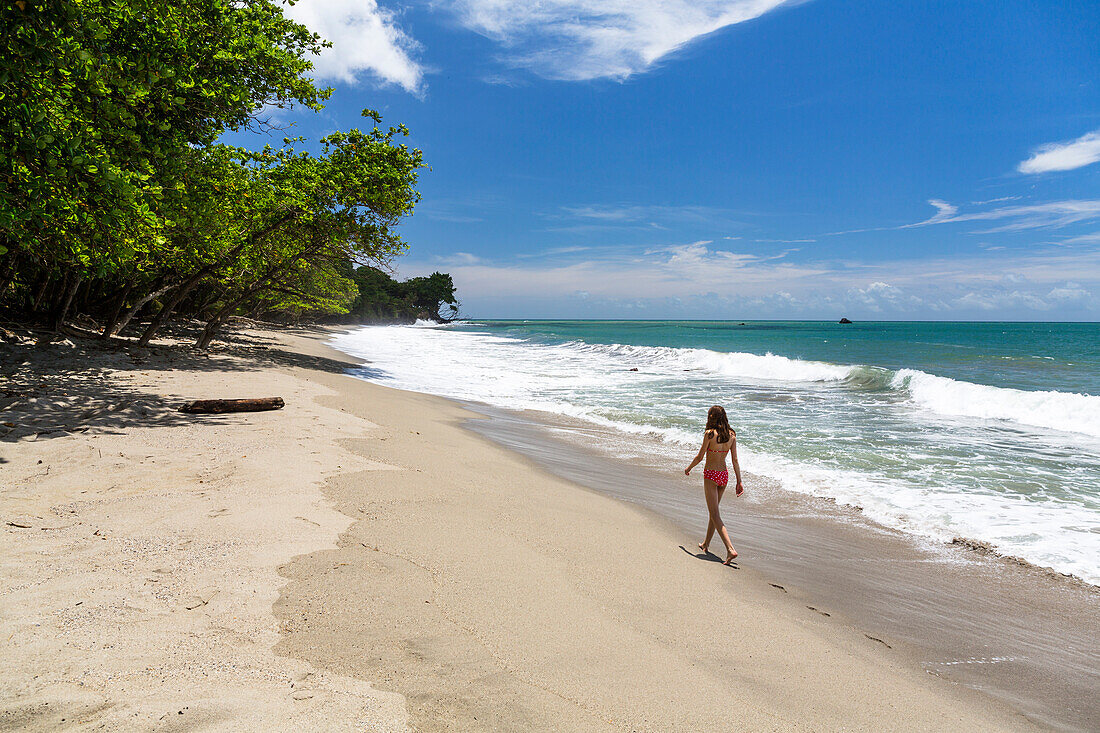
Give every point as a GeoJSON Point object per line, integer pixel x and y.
{"type": "Point", "coordinates": [721, 478]}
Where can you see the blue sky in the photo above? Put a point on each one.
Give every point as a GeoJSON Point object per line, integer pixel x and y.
{"type": "Point", "coordinates": [740, 159]}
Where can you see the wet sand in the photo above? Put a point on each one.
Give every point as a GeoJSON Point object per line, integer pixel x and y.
{"type": "Point", "coordinates": [1026, 635]}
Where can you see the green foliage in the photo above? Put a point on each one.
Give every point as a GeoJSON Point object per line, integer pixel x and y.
{"type": "Point", "coordinates": [100, 100]}
{"type": "Point", "coordinates": [114, 188]}
{"type": "Point", "coordinates": [383, 299]}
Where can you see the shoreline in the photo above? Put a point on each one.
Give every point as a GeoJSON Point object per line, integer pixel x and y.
{"type": "Point", "coordinates": [900, 588]}
{"type": "Point", "coordinates": [373, 534]}
{"type": "Point", "coordinates": [376, 564]}
{"type": "Point", "coordinates": [904, 445]}
{"type": "Point", "coordinates": [966, 614]}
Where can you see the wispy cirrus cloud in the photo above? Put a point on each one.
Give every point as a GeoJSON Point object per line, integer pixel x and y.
{"type": "Point", "coordinates": [1053, 214]}
{"type": "Point", "coordinates": [1017, 218]}
{"type": "Point", "coordinates": [366, 42]}
{"type": "Point", "coordinates": [703, 276]}
{"type": "Point", "coordinates": [1063, 156]}
{"type": "Point", "coordinates": [595, 217]}
{"type": "Point", "coordinates": [1093, 238]}
{"type": "Point", "coordinates": [577, 40]}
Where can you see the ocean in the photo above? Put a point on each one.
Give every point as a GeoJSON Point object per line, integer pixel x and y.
{"type": "Point", "coordinates": [986, 431]}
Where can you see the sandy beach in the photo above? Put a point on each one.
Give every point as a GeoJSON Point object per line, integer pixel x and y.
{"type": "Point", "coordinates": [360, 561]}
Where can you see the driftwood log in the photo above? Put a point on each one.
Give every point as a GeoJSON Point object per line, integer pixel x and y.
{"type": "Point", "coordinates": [257, 404]}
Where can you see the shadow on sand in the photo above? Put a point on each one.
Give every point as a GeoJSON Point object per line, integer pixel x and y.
{"type": "Point", "coordinates": [709, 557]}
{"type": "Point", "coordinates": [83, 384]}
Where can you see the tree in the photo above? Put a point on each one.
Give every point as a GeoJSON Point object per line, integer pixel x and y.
{"type": "Point", "coordinates": [119, 199]}
{"type": "Point", "coordinates": [381, 298]}
{"type": "Point", "coordinates": [428, 295]}
{"type": "Point", "coordinates": [101, 102]}
{"type": "Point", "coordinates": [314, 212]}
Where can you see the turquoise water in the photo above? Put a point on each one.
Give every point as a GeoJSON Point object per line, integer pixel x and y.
{"type": "Point", "coordinates": [989, 431]}
{"type": "Point", "coordinates": [1034, 356]}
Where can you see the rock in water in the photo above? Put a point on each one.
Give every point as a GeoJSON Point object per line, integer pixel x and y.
{"type": "Point", "coordinates": [844, 320]}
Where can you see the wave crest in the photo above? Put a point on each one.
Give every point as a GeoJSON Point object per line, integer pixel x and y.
{"type": "Point", "coordinates": [1066, 411]}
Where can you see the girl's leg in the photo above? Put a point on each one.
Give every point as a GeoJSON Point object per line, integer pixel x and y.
{"type": "Point", "coordinates": [716, 519]}
{"type": "Point", "coordinates": [705, 544]}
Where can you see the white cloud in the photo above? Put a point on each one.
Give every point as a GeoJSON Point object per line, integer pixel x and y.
{"type": "Point", "coordinates": [944, 212]}
{"type": "Point", "coordinates": [1065, 156]}
{"type": "Point", "coordinates": [1002, 300]}
{"type": "Point", "coordinates": [879, 296]}
{"type": "Point", "coordinates": [1030, 216]}
{"type": "Point", "coordinates": [576, 40]}
{"type": "Point", "coordinates": [1071, 291]}
{"type": "Point", "coordinates": [365, 40]}
{"type": "Point", "coordinates": [596, 217]}
{"type": "Point", "coordinates": [702, 276]}
{"type": "Point", "coordinates": [625, 213]}
{"type": "Point", "coordinates": [461, 258]}
{"type": "Point", "coordinates": [1093, 238]}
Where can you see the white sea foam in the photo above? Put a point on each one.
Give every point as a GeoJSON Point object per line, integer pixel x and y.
{"type": "Point", "coordinates": [594, 383]}
{"type": "Point", "coordinates": [426, 323]}
{"type": "Point", "coordinates": [1066, 411]}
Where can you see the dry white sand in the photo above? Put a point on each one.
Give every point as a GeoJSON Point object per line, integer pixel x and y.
{"type": "Point", "coordinates": [161, 571]}
{"type": "Point", "coordinates": [138, 560]}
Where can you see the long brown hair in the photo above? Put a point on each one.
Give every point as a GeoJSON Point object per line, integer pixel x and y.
{"type": "Point", "coordinates": [719, 423]}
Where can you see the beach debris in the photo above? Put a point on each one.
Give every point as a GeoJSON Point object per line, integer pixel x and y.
{"type": "Point", "coordinates": [818, 610]}
{"type": "Point", "coordinates": [20, 525]}
{"type": "Point", "coordinates": [257, 404]}
{"type": "Point", "coordinates": [773, 585]}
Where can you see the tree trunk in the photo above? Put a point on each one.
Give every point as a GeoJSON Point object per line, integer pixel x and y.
{"type": "Point", "coordinates": [208, 334]}
{"type": "Point", "coordinates": [112, 317]}
{"type": "Point", "coordinates": [132, 310]}
{"type": "Point", "coordinates": [41, 292]}
{"type": "Point", "coordinates": [162, 316]}
{"type": "Point", "coordinates": [7, 273]}
{"type": "Point", "coordinates": [203, 272]}
{"type": "Point", "coordinates": [95, 292]}
{"type": "Point", "coordinates": [215, 323]}
{"type": "Point", "coordinates": [66, 301]}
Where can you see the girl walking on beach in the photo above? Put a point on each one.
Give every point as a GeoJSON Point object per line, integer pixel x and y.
{"type": "Point", "coordinates": [718, 440]}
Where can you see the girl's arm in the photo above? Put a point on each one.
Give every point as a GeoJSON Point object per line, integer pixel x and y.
{"type": "Point", "coordinates": [733, 457]}
{"type": "Point", "coordinates": [698, 456]}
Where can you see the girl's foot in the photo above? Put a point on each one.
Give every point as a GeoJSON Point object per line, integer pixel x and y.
{"type": "Point", "coordinates": [703, 547]}
{"type": "Point", "coordinates": [730, 557]}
